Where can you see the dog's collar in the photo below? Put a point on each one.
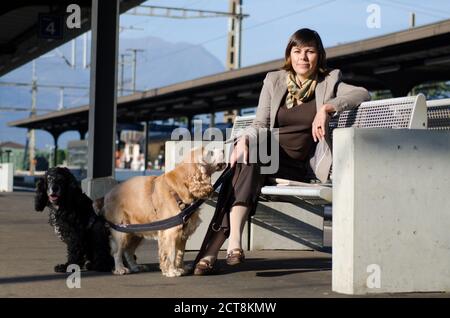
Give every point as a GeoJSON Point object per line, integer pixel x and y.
{"type": "Point", "coordinates": [180, 218]}
{"type": "Point", "coordinates": [180, 202]}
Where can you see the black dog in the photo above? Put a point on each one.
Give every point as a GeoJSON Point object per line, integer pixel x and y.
{"type": "Point", "coordinates": [74, 220]}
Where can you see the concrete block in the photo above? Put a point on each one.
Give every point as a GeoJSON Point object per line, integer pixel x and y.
{"type": "Point", "coordinates": [97, 188]}
{"type": "Point", "coordinates": [391, 211]}
{"type": "Point", "coordinates": [6, 177]}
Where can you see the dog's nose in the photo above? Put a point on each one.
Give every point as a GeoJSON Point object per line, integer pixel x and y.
{"type": "Point", "coordinates": [55, 188]}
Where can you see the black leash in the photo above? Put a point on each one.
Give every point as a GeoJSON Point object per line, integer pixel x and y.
{"type": "Point", "coordinates": [180, 218]}
{"type": "Point", "coordinates": [221, 218]}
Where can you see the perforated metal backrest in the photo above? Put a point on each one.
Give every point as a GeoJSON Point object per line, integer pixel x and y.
{"type": "Point", "coordinates": [438, 112]}
{"type": "Point", "coordinates": [240, 123]}
{"type": "Point", "coordinates": [403, 112]}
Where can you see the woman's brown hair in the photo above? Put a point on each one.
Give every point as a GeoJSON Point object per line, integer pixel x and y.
{"type": "Point", "coordinates": [305, 37]}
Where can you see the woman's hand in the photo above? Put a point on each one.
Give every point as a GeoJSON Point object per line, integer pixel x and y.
{"type": "Point", "coordinates": [320, 122]}
{"type": "Point", "coordinates": [240, 151]}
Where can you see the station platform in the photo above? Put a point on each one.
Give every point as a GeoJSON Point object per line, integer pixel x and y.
{"type": "Point", "coordinates": [30, 249]}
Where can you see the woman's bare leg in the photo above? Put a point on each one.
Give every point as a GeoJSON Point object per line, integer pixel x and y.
{"type": "Point", "coordinates": [238, 217]}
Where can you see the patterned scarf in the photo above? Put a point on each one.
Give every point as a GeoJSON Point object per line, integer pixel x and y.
{"type": "Point", "coordinates": [296, 94]}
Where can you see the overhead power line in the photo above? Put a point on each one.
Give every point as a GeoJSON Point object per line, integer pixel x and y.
{"type": "Point", "coordinates": [245, 29]}
{"type": "Point", "coordinates": [397, 5]}
{"type": "Point", "coordinates": [23, 109]}
{"type": "Point", "coordinates": [290, 14]}
{"type": "Point", "coordinates": [420, 8]}
{"type": "Point", "coordinates": [43, 85]}
{"type": "Point", "coordinates": [21, 84]}
{"type": "Point", "coordinates": [438, 10]}
{"type": "Point", "coordinates": [184, 13]}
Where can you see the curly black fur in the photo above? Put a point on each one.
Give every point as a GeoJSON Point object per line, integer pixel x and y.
{"type": "Point", "coordinates": [74, 219]}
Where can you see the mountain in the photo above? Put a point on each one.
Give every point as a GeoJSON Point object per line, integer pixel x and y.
{"type": "Point", "coordinates": [160, 63]}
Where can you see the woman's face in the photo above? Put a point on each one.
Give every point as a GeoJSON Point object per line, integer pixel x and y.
{"type": "Point", "coordinates": [304, 60]}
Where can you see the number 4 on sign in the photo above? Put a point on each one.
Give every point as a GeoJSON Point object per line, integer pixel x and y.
{"type": "Point", "coordinates": [51, 28]}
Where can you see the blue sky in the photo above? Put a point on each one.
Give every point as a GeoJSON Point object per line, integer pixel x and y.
{"type": "Point", "coordinates": [267, 29]}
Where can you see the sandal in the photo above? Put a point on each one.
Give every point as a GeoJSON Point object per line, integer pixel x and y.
{"type": "Point", "coordinates": [235, 256]}
{"type": "Point", "coordinates": [204, 267]}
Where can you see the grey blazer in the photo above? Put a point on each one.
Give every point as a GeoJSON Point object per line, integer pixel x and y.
{"type": "Point", "coordinates": [329, 90]}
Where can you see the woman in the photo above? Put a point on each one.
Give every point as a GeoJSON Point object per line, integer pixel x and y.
{"type": "Point", "coordinates": [298, 101]}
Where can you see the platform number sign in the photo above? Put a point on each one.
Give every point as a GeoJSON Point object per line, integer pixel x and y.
{"type": "Point", "coordinates": [50, 26]}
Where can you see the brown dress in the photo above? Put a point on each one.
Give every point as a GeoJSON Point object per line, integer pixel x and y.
{"type": "Point", "coordinates": [296, 144]}
{"type": "Point", "coordinates": [296, 147]}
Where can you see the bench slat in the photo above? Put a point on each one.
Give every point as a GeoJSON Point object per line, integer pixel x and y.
{"type": "Point", "coordinates": [439, 114]}
{"type": "Point", "coordinates": [316, 192]}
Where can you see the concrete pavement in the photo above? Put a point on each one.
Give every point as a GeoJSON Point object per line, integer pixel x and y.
{"type": "Point", "coordinates": [29, 249]}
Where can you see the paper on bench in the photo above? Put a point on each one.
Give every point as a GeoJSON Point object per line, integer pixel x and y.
{"type": "Point", "coordinates": [285, 182]}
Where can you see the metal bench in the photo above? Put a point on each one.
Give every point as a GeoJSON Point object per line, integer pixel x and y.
{"type": "Point", "coordinates": [300, 217]}
{"type": "Point", "coordinates": [405, 112]}
{"type": "Point", "coordinates": [396, 113]}
{"type": "Point", "coordinates": [438, 113]}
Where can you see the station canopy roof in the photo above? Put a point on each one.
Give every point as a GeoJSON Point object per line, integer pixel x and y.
{"type": "Point", "coordinates": [396, 61]}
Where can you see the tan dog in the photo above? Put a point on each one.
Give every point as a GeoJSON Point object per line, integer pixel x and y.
{"type": "Point", "coordinates": [149, 199]}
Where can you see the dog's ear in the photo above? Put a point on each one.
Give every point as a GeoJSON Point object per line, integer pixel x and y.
{"type": "Point", "coordinates": [199, 182]}
{"type": "Point", "coordinates": [73, 188]}
{"type": "Point", "coordinates": [41, 198]}
{"type": "Point", "coordinates": [98, 206]}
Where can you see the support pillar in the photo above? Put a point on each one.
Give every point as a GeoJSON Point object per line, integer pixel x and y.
{"type": "Point", "coordinates": [147, 131]}
{"type": "Point", "coordinates": [189, 125]}
{"type": "Point", "coordinates": [103, 98]}
{"type": "Point", "coordinates": [55, 148]}
{"type": "Point", "coordinates": [401, 91]}
{"type": "Point", "coordinates": [82, 133]}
